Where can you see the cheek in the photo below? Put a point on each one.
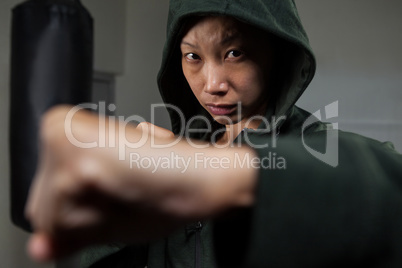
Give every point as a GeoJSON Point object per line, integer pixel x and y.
{"type": "Point", "coordinates": [193, 80]}
{"type": "Point", "coordinates": [250, 84]}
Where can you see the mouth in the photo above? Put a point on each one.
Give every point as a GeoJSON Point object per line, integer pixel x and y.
{"type": "Point", "coordinates": [221, 109]}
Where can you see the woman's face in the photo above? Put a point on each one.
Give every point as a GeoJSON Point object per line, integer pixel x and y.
{"type": "Point", "coordinates": [227, 65]}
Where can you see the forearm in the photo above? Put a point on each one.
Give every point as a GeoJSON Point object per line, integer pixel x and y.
{"type": "Point", "coordinates": [187, 178]}
{"type": "Point", "coordinates": [79, 192]}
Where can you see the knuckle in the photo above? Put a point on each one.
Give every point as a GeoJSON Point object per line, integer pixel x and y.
{"type": "Point", "coordinates": [88, 171]}
{"type": "Point", "coordinates": [52, 125]}
{"type": "Point", "coordinates": [144, 123]}
{"type": "Point", "coordinates": [55, 114]}
{"type": "Point", "coordinates": [144, 126]}
{"type": "Point", "coordinates": [170, 135]}
{"type": "Point", "coordinates": [28, 212]}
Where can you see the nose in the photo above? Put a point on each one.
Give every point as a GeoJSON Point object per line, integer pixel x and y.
{"type": "Point", "coordinates": [216, 80]}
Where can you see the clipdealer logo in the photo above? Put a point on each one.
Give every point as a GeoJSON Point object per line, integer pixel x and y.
{"type": "Point", "coordinates": [107, 136]}
{"type": "Point", "coordinates": [331, 154]}
{"type": "Point", "coordinates": [200, 160]}
{"type": "Point", "coordinates": [107, 129]}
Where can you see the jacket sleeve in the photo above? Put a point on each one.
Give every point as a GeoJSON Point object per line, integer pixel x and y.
{"type": "Point", "coordinates": [311, 214]}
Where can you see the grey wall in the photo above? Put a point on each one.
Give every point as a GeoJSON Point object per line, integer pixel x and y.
{"type": "Point", "coordinates": [137, 88]}
{"type": "Point", "coordinates": [358, 47]}
{"type": "Point", "coordinates": [109, 34]}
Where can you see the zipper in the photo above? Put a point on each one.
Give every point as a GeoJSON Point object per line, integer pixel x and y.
{"type": "Point", "coordinates": [198, 251]}
{"type": "Point", "coordinates": [195, 229]}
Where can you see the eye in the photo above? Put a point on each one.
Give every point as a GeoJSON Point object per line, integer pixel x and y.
{"type": "Point", "coordinates": [192, 57]}
{"type": "Point", "coordinates": [234, 54]}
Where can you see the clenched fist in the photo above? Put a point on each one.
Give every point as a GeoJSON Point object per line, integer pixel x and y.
{"type": "Point", "coordinates": [83, 196]}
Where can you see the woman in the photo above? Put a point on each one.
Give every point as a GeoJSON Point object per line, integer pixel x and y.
{"type": "Point", "coordinates": [235, 70]}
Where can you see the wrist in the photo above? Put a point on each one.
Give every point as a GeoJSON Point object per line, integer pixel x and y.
{"type": "Point", "coordinates": [233, 187]}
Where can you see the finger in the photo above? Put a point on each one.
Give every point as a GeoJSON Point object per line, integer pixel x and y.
{"type": "Point", "coordinates": [50, 197]}
{"type": "Point", "coordinates": [40, 181]}
{"type": "Point", "coordinates": [40, 248]}
{"type": "Point", "coordinates": [43, 248]}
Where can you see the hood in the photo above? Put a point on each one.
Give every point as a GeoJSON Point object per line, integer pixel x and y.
{"type": "Point", "coordinates": [296, 63]}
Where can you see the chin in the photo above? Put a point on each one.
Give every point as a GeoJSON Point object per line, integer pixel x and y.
{"type": "Point", "coordinates": [227, 120]}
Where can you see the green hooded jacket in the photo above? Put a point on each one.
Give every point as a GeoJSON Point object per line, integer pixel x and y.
{"type": "Point", "coordinates": [311, 211]}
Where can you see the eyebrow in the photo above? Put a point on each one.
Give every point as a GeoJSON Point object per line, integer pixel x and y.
{"type": "Point", "coordinates": [230, 38]}
{"type": "Point", "coordinates": [227, 39]}
{"type": "Point", "coordinates": [189, 44]}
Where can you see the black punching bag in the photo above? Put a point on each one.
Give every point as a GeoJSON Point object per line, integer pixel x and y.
{"type": "Point", "coordinates": [51, 63]}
